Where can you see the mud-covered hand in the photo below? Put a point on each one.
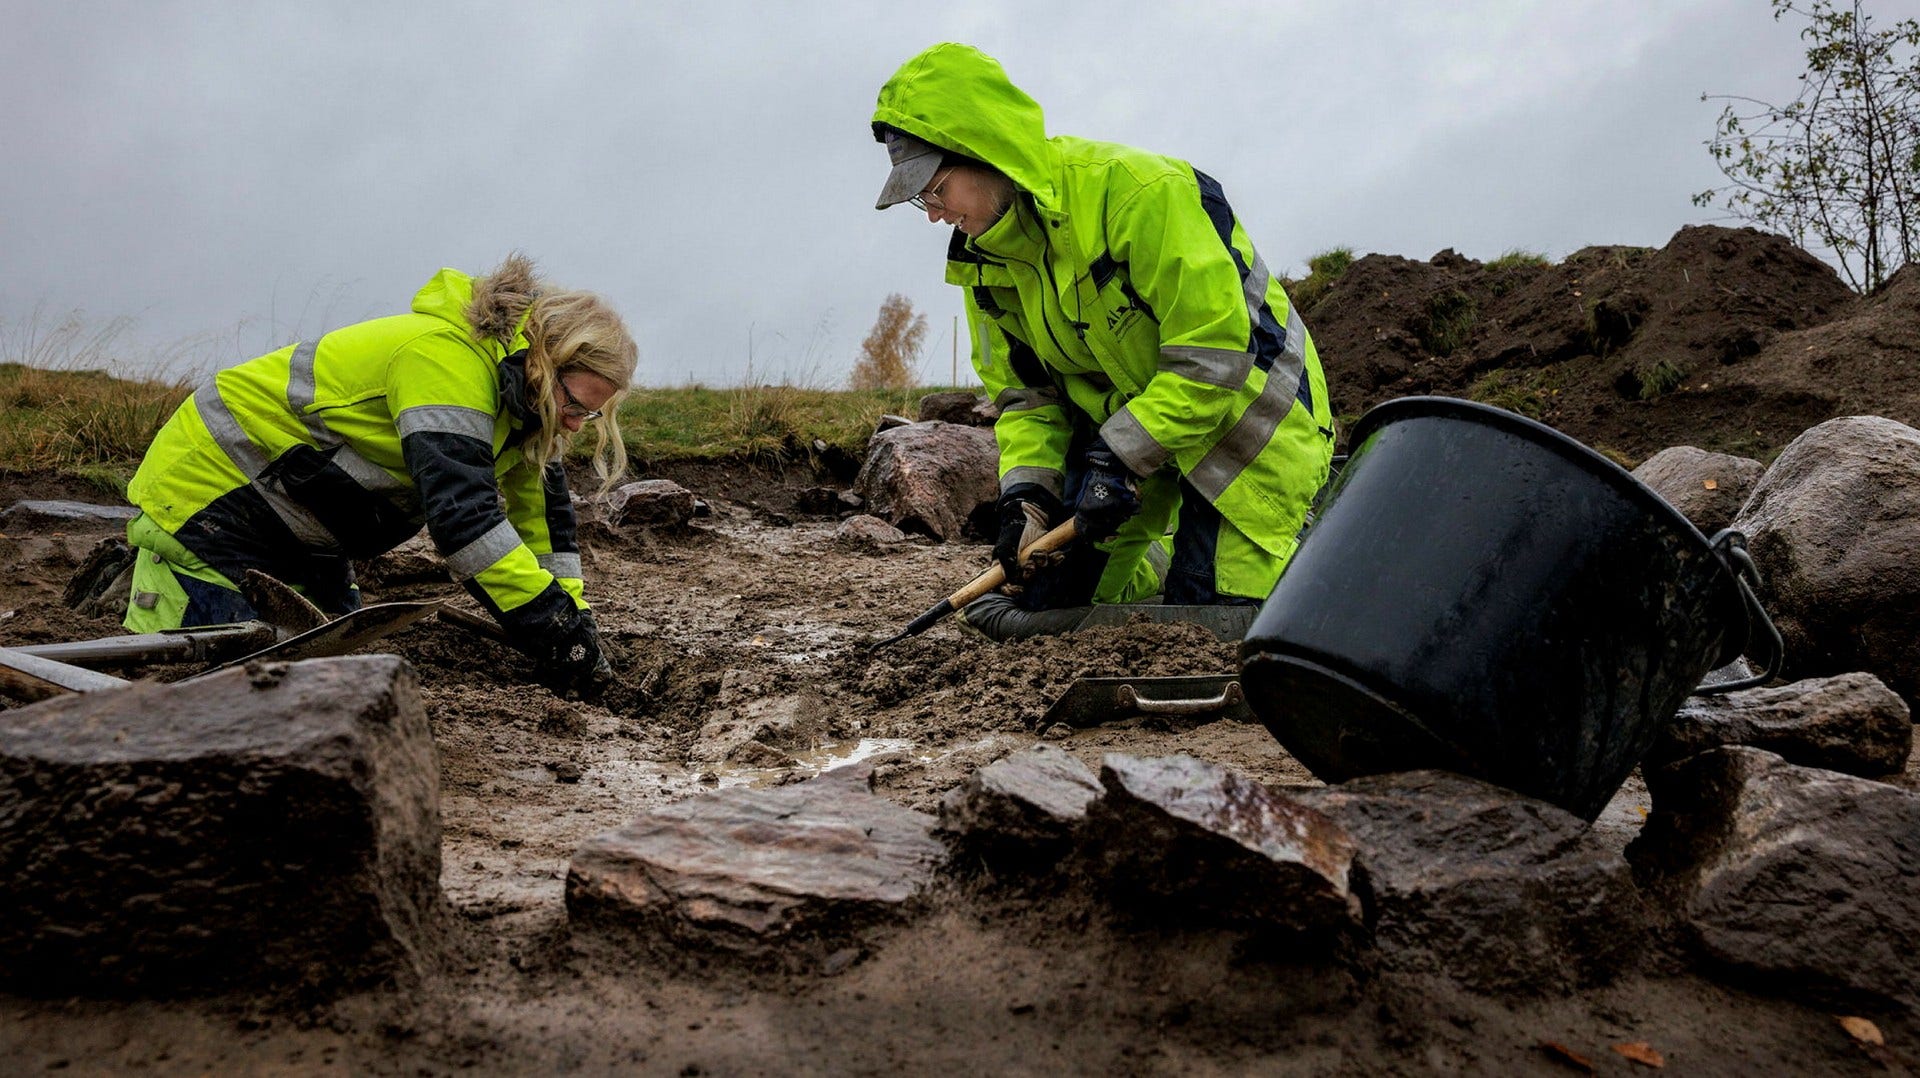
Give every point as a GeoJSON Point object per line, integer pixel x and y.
{"type": "Point", "coordinates": [1109, 497]}
{"type": "Point", "coordinates": [1026, 511]}
{"type": "Point", "coordinates": [569, 659]}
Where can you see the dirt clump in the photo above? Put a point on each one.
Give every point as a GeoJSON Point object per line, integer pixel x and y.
{"type": "Point", "coordinates": [1728, 339]}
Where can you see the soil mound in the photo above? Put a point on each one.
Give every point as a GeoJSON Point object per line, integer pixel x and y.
{"type": "Point", "coordinates": [1729, 339]}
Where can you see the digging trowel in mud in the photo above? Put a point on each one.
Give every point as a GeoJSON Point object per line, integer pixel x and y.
{"type": "Point", "coordinates": [993, 577]}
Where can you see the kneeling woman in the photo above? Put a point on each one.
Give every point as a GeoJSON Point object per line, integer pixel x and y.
{"type": "Point", "coordinates": [454, 416]}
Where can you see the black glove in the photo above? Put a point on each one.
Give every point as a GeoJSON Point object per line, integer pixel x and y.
{"type": "Point", "coordinates": [1026, 511]}
{"type": "Point", "coordinates": [1109, 497]}
{"type": "Point", "coordinates": [571, 659]}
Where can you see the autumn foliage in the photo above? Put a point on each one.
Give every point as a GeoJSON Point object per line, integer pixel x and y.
{"type": "Point", "coordinates": [891, 353]}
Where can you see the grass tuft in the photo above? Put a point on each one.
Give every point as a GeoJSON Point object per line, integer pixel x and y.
{"type": "Point", "coordinates": [1323, 270]}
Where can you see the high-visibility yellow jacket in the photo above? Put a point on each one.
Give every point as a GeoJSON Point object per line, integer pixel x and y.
{"type": "Point", "coordinates": [1121, 288]}
{"type": "Point", "coordinates": [347, 444]}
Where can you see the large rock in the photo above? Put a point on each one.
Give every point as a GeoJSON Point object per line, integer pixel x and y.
{"type": "Point", "coordinates": [958, 406]}
{"type": "Point", "coordinates": [789, 875]}
{"type": "Point", "coordinates": [1492, 889]}
{"type": "Point", "coordinates": [1181, 838]}
{"type": "Point", "coordinates": [1025, 807]}
{"type": "Point", "coordinates": [1707, 488]}
{"type": "Point", "coordinates": [1833, 525]}
{"type": "Point", "coordinates": [1797, 878]}
{"type": "Point", "coordinates": [272, 825]}
{"type": "Point", "coordinates": [1850, 723]}
{"type": "Point", "coordinates": [930, 477]}
{"type": "Point", "coordinates": [650, 503]}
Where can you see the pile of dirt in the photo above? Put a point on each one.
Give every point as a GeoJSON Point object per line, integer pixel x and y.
{"type": "Point", "coordinates": [1728, 339]}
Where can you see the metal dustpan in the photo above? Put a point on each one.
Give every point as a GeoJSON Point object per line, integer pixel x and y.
{"type": "Point", "coordinates": [1091, 701]}
{"type": "Point", "coordinates": [1225, 622]}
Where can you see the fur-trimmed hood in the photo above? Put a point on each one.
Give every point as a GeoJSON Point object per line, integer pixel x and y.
{"type": "Point", "coordinates": [491, 309]}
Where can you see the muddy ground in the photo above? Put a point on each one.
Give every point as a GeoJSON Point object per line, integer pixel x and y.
{"type": "Point", "coordinates": [989, 977]}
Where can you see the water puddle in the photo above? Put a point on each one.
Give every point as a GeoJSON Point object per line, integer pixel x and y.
{"type": "Point", "coordinates": [813, 761]}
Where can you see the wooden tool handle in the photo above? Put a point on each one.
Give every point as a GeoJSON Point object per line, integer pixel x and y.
{"type": "Point", "coordinates": [996, 575]}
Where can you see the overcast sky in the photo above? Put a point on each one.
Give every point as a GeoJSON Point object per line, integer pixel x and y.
{"type": "Point", "coordinates": [232, 176]}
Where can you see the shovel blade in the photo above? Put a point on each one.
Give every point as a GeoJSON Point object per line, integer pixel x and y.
{"type": "Point", "coordinates": [1091, 701]}
{"type": "Point", "coordinates": [341, 635]}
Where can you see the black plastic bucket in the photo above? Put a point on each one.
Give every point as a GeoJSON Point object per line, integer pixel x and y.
{"type": "Point", "coordinates": [1482, 594]}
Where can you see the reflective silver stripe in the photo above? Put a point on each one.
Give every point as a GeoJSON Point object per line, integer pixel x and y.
{"type": "Point", "coordinates": [480, 554]}
{"type": "Point", "coordinates": [1021, 399]}
{"type": "Point", "coordinates": [373, 478]}
{"type": "Point", "coordinates": [303, 388]}
{"type": "Point", "coordinates": [1225, 461]}
{"type": "Point", "coordinates": [1127, 438]}
{"type": "Point", "coordinates": [1223, 367]}
{"type": "Point", "coordinates": [565, 566]}
{"type": "Point", "coordinates": [232, 439]}
{"type": "Point", "coordinates": [1296, 350]}
{"type": "Point", "coordinates": [445, 419]}
{"type": "Point", "coordinates": [1053, 479]}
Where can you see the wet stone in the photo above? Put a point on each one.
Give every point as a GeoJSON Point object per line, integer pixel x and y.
{"type": "Point", "coordinates": [1029, 805]}
{"type": "Point", "coordinates": [1788, 878]}
{"type": "Point", "coordinates": [748, 728]}
{"type": "Point", "coordinates": [1851, 723]}
{"type": "Point", "coordinates": [58, 515]}
{"type": "Point", "coordinates": [239, 830]}
{"type": "Point", "coordinates": [1180, 838]}
{"type": "Point", "coordinates": [791, 874]}
{"type": "Point", "coordinates": [827, 501]}
{"type": "Point", "coordinates": [650, 503]}
{"type": "Point", "coordinates": [929, 478]}
{"type": "Point", "coordinates": [958, 406]}
{"type": "Point", "coordinates": [1473, 881]}
{"type": "Point", "coordinates": [1833, 525]}
{"type": "Point", "coordinates": [868, 533]}
{"type": "Point", "coordinates": [1707, 488]}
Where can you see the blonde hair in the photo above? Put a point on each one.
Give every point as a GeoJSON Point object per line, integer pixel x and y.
{"type": "Point", "coordinates": [567, 330]}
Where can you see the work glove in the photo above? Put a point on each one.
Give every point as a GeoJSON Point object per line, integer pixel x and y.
{"type": "Point", "coordinates": [1026, 512]}
{"type": "Point", "coordinates": [1109, 497]}
{"type": "Point", "coordinates": [569, 660]}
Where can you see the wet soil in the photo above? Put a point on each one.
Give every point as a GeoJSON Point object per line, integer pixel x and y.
{"type": "Point", "coordinates": [987, 977]}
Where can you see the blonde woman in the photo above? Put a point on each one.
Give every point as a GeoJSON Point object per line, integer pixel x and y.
{"type": "Point", "coordinates": [454, 416]}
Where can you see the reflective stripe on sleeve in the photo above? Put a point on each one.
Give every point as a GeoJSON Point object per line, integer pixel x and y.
{"type": "Point", "coordinates": [1052, 479]}
{"type": "Point", "coordinates": [564, 565]}
{"type": "Point", "coordinates": [470, 560]}
{"type": "Point", "coordinates": [1021, 398]}
{"type": "Point", "coordinates": [1126, 437]}
{"type": "Point", "coordinates": [1226, 368]}
{"type": "Point", "coordinates": [446, 419]}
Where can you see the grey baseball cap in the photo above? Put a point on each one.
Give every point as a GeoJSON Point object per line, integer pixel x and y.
{"type": "Point", "coordinates": [914, 163]}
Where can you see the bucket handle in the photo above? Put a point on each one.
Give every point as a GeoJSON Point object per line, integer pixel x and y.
{"type": "Point", "coordinates": [1732, 548]}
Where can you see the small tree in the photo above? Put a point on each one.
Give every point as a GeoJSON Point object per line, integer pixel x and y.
{"type": "Point", "coordinates": [1840, 163]}
{"type": "Point", "coordinates": [891, 353]}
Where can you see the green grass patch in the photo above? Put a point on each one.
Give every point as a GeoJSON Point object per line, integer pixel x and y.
{"type": "Point", "coordinates": [1518, 259]}
{"type": "Point", "coordinates": [1449, 324]}
{"type": "Point", "coordinates": [762, 422]}
{"type": "Point", "coordinates": [1528, 391]}
{"type": "Point", "coordinates": [86, 423]}
{"type": "Point", "coordinates": [1323, 270]}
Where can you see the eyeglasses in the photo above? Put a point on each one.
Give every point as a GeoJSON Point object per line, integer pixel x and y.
{"type": "Point", "coordinates": [930, 198]}
{"type": "Point", "coordinates": [573, 409]}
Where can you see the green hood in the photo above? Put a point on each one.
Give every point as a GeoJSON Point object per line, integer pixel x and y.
{"type": "Point", "coordinates": [446, 295]}
{"type": "Point", "coordinates": [959, 99]}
